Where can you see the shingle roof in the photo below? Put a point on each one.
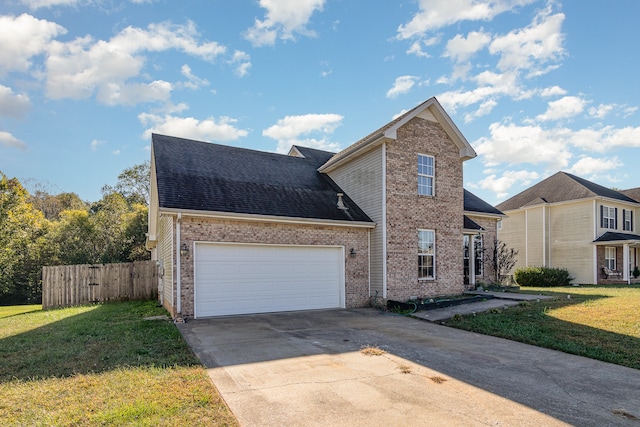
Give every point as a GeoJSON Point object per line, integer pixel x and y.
{"type": "Point", "coordinates": [473, 203]}
{"type": "Point", "coordinates": [194, 175]}
{"type": "Point", "coordinates": [561, 187]}
{"type": "Point", "coordinates": [469, 224]}
{"type": "Point", "coordinates": [634, 193]}
{"type": "Point", "coordinates": [611, 236]}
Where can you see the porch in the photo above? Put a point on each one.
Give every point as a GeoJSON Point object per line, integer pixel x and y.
{"type": "Point", "coordinates": [617, 258]}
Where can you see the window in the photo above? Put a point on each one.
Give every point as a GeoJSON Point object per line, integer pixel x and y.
{"type": "Point", "coordinates": [608, 217]}
{"type": "Point", "coordinates": [610, 257]}
{"type": "Point", "coordinates": [426, 254]}
{"type": "Point", "coordinates": [499, 224]}
{"type": "Point", "coordinates": [627, 220]}
{"type": "Point", "coordinates": [425, 175]}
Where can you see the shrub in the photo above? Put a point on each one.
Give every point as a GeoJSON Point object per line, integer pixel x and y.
{"type": "Point", "coordinates": [542, 276]}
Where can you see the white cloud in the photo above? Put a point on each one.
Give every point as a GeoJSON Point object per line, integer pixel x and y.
{"type": "Point", "coordinates": [284, 19]}
{"type": "Point", "coordinates": [603, 139]}
{"type": "Point", "coordinates": [193, 82]}
{"type": "Point", "coordinates": [601, 111]}
{"type": "Point", "coordinates": [242, 61]}
{"type": "Point", "coordinates": [563, 108]}
{"type": "Point", "coordinates": [22, 38]}
{"type": "Point", "coordinates": [513, 144]}
{"type": "Point", "coordinates": [288, 131]}
{"type": "Point", "coordinates": [484, 109]}
{"type": "Point", "coordinates": [531, 48]}
{"type": "Point", "coordinates": [82, 67]}
{"type": "Point", "coordinates": [116, 152]}
{"type": "Point", "coordinates": [38, 4]}
{"type": "Point", "coordinates": [402, 85]}
{"type": "Point", "coordinates": [552, 91]}
{"type": "Point", "coordinates": [9, 141]}
{"type": "Point", "coordinates": [13, 104]}
{"type": "Point", "coordinates": [210, 129]}
{"type": "Point", "coordinates": [134, 93]}
{"type": "Point", "coordinates": [95, 144]}
{"type": "Point", "coordinates": [589, 167]}
{"type": "Point", "coordinates": [501, 185]}
{"type": "Point", "coordinates": [435, 14]}
{"type": "Point", "coordinates": [461, 49]}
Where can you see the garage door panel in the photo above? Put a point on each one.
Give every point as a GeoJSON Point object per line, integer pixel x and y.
{"type": "Point", "coordinates": [241, 279]}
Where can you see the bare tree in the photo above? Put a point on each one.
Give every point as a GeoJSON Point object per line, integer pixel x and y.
{"type": "Point", "coordinates": [500, 258]}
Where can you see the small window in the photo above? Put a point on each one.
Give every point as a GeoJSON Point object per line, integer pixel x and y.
{"type": "Point", "coordinates": [627, 218]}
{"type": "Point", "coordinates": [608, 217]}
{"type": "Point", "coordinates": [426, 254]}
{"type": "Point", "coordinates": [425, 175]}
{"type": "Point", "coordinates": [499, 224]}
{"type": "Point", "coordinates": [610, 257]}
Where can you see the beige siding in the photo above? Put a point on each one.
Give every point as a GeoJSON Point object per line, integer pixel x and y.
{"type": "Point", "coordinates": [572, 233]}
{"type": "Point", "coordinates": [513, 234]}
{"type": "Point", "coordinates": [165, 257]}
{"type": "Point", "coordinates": [535, 236]}
{"type": "Point", "coordinates": [362, 180]}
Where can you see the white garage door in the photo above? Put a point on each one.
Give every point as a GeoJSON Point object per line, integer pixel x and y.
{"type": "Point", "coordinates": [244, 278]}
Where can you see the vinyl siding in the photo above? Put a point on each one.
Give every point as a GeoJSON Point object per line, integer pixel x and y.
{"type": "Point", "coordinates": [165, 257]}
{"type": "Point", "coordinates": [535, 236]}
{"type": "Point", "coordinates": [513, 234]}
{"type": "Point", "coordinates": [571, 227]}
{"type": "Point", "coordinates": [362, 180]}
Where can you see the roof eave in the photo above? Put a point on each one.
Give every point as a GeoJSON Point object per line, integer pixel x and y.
{"type": "Point", "coordinates": [267, 218]}
{"type": "Point", "coordinates": [485, 214]}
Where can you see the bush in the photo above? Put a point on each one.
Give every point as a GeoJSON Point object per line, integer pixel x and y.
{"type": "Point", "coordinates": [542, 277]}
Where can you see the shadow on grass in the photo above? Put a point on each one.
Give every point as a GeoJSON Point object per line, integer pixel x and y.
{"type": "Point", "coordinates": [532, 323]}
{"type": "Point", "coordinates": [96, 339]}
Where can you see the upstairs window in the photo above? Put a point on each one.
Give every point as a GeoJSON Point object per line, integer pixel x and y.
{"type": "Point", "coordinates": [426, 254]}
{"type": "Point", "coordinates": [627, 220]}
{"type": "Point", "coordinates": [608, 217]}
{"type": "Point", "coordinates": [426, 172]}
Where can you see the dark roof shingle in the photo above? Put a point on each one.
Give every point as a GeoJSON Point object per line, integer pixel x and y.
{"type": "Point", "coordinates": [473, 203]}
{"type": "Point", "coordinates": [561, 187]}
{"type": "Point", "coordinates": [195, 175]}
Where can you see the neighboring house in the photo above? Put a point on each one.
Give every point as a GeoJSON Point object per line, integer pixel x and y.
{"type": "Point", "coordinates": [569, 222]}
{"type": "Point", "coordinates": [242, 231]}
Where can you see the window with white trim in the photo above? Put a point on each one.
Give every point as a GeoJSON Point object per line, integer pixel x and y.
{"type": "Point", "coordinates": [627, 220]}
{"type": "Point", "coordinates": [608, 217]}
{"type": "Point", "coordinates": [426, 254]}
{"type": "Point", "coordinates": [426, 175]}
{"type": "Point", "coordinates": [610, 257]}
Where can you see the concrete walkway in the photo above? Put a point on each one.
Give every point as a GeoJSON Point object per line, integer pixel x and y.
{"type": "Point", "coordinates": [499, 300]}
{"type": "Point", "coordinates": [309, 369]}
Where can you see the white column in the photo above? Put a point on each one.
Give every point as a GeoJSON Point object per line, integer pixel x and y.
{"type": "Point", "coordinates": [625, 262]}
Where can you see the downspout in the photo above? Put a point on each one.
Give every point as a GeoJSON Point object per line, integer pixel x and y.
{"type": "Point", "coordinates": [595, 247]}
{"type": "Point", "coordinates": [544, 237]}
{"type": "Point", "coordinates": [178, 281]}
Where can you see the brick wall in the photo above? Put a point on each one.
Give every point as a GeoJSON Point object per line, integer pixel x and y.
{"type": "Point", "coordinates": [407, 212]}
{"type": "Point", "coordinates": [215, 230]}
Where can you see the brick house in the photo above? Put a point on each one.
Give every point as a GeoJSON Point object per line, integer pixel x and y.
{"type": "Point", "coordinates": [242, 231]}
{"type": "Point", "coordinates": [569, 222]}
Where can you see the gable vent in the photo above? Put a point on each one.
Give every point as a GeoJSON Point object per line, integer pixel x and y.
{"type": "Point", "coordinates": [340, 203]}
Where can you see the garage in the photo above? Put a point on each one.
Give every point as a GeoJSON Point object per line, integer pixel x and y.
{"type": "Point", "coordinates": [235, 278]}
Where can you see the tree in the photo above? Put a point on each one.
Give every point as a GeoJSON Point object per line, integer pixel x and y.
{"type": "Point", "coordinates": [52, 205]}
{"type": "Point", "coordinates": [133, 183]}
{"type": "Point", "coordinates": [22, 242]}
{"type": "Point", "coordinates": [500, 258]}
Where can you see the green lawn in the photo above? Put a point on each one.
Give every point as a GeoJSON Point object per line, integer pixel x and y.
{"type": "Point", "coordinates": [101, 365]}
{"type": "Point", "coordinates": [600, 322]}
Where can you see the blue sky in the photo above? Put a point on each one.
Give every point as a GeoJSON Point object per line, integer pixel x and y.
{"type": "Point", "coordinates": [535, 86]}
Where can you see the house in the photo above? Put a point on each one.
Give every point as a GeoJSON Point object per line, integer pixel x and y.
{"type": "Point", "coordinates": [569, 222]}
{"type": "Point", "coordinates": [241, 231]}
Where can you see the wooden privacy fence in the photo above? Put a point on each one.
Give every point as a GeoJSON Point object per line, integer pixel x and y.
{"type": "Point", "coordinates": [68, 285]}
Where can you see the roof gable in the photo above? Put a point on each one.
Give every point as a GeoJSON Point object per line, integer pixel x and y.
{"type": "Point", "coordinates": [202, 176]}
{"type": "Point", "coordinates": [430, 109]}
{"type": "Point", "coordinates": [634, 193]}
{"type": "Point", "coordinates": [561, 187]}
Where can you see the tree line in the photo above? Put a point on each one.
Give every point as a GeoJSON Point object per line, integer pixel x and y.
{"type": "Point", "coordinates": [44, 229]}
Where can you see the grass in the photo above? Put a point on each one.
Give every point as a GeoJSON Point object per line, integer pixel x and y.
{"type": "Point", "coordinates": [102, 365]}
{"type": "Point", "coordinates": [12, 310]}
{"type": "Point", "coordinates": [600, 322]}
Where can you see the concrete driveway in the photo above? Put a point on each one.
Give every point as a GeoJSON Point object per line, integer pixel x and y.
{"type": "Point", "coordinates": [308, 369]}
